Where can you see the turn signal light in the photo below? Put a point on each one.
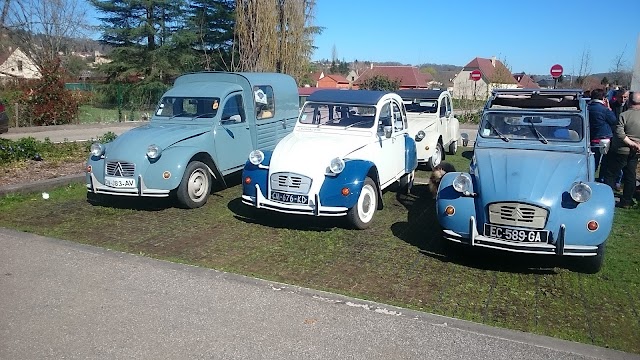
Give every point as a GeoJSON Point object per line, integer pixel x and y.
{"type": "Point", "coordinates": [426, 147]}
{"type": "Point", "coordinates": [89, 168]}
{"type": "Point", "coordinates": [592, 225]}
{"type": "Point", "coordinates": [247, 180]}
{"type": "Point", "coordinates": [345, 191]}
{"type": "Point", "coordinates": [450, 210]}
{"type": "Point", "coordinates": [166, 175]}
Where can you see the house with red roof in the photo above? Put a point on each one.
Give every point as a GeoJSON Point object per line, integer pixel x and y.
{"type": "Point", "coordinates": [525, 81]}
{"type": "Point", "coordinates": [15, 64]}
{"type": "Point", "coordinates": [333, 81]}
{"type": "Point", "coordinates": [494, 75]}
{"type": "Point", "coordinates": [410, 77]}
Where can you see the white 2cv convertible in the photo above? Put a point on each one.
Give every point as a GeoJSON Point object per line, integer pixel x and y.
{"type": "Point", "coordinates": [347, 146]}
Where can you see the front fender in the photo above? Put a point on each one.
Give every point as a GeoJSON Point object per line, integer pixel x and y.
{"type": "Point", "coordinates": [256, 174]}
{"type": "Point", "coordinates": [427, 146]}
{"type": "Point", "coordinates": [410, 154]}
{"type": "Point", "coordinates": [352, 178]}
{"type": "Point", "coordinates": [464, 206]}
{"type": "Point", "coordinates": [174, 160]}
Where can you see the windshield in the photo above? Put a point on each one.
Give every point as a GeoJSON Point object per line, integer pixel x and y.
{"type": "Point", "coordinates": [338, 115]}
{"type": "Point", "coordinates": [532, 126]}
{"type": "Point", "coordinates": [187, 107]}
{"type": "Point", "coordinates": [421, 106]}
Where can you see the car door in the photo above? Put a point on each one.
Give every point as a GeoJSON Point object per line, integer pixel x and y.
{"type": "Point", "coordinates": [444, 110]}
{"type": "Point", "coordinates": [232, 136]}
{"type": "Point", "coordinates": [390, 161]}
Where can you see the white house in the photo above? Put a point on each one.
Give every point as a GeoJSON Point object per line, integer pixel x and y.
{"type": "Point", "coordinates": [14, 63]}
{"type": "Point", "coordinates": [494, 75]}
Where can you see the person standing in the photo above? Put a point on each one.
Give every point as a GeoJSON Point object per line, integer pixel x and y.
{"type": "Point", "coordinates": [601, 122]}
{"type": "Point", "coordinates": [625, 148]}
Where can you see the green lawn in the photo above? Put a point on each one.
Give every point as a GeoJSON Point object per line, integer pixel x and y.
{"type": "Point", "coordinates": [88, 114]}
{"type": "Point", "coordinates": [400, 260]}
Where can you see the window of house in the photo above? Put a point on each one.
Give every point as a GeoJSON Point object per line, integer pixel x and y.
{"type": "Point", "coordinates": [264, 101]}
{"type": "Point", "coordinates": [19, 65]}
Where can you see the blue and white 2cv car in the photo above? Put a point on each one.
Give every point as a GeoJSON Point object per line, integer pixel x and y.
{"type": "Point", "coordinates": [530, 188]}
{"type": "Point", "coordinates": [346, 148]}
{"type": "Point", "coordinates": [201, 130]}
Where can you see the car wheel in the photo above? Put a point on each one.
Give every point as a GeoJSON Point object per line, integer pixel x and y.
{"type": "Point", "coordinates": [436, 158]}
{"type": "Point", "coordinates": [593, 264]}
{"type": "Point", "coordinates": [195, 186]}
{"type": "Point", "coordinates": [453, 147]}
{"type": "Point", "coordinates": [406, 183]}
{"type": "Point", "coordinates": [361, 214]}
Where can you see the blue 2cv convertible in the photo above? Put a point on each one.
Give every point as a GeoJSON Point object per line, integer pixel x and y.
{"type": "Point", "coordinates": [347, 146]}
{"type": "Point", "coordinates": [201, 130]}
{"type": "Point", "coordinates": [530, 187]}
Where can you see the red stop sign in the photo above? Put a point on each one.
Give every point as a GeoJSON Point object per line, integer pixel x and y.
{"type": "Point", "coordinates": [556, 71]}
{"type": "Point", "coordinates": [475, 75]}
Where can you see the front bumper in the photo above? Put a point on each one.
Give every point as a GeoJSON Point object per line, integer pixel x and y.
{"type": "Point", "coordinates": [556, 248]}
{"type": "Point", "coordinates": [313, 208]}
{"type": "Point", "coordinates": [95, 186]}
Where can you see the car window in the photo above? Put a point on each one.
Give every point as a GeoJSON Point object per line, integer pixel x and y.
{"type": "Point", "coordinates": [422, 106]}
{"type": "Point", "coordinates": [553, 127]}
{"type": "Point", "coordinates": [399, 122]}
{"type": "Point", "coordinates": [352, 116]}
{"type": "Point", "coordinates": [264, 102]}
{"type": "Point", "coordinates": [187, 107]}
{"type": "Point", "coordinates": [233, 111]}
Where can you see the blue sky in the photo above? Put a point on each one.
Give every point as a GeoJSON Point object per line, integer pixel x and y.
{"type": "Point", "coordinates": [530, 35]}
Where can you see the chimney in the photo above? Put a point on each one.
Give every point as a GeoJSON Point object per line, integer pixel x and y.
{"type": "Point", "coordinates": [493, 61]}
{"type": "Point", "coordinates": [371, 65]}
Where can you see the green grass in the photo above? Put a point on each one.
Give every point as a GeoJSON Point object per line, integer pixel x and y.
{"type": "Point", "coordinates": [88, 114]}
{"type": "Point", "coordinates": [400, 260]}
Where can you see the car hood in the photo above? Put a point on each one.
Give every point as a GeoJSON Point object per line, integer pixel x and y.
{"type": "Point", "coordinates": [417, 122]}
{"type": "Point", "coordinates": [300, 152]}
{"type": "Point", "coordinates": [525, 175]}
{"type": "Point", "coordinates": [163, 135]}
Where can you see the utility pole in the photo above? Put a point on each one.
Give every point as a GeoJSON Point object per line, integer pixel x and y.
{"type": "Point", "coordinates": [635, 77]}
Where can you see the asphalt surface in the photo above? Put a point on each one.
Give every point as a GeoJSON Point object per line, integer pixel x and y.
{"type": "Point", "coordinates": [62, 300]}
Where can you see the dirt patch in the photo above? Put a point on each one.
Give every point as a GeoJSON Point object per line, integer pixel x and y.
{"type": "Point", "coordinates": [32, 171]}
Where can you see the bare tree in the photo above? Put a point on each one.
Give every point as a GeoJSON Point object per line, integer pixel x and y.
{"type": "Point", "coordinates": [584, 70]}
{"type": "Point", "coordinates": [274, 35]}
{"type": "Point", "coordinates": [43, 28]}
{"type": "Point", "coordinates": [620, 73]}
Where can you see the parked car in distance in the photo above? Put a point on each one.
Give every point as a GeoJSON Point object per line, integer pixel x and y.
{"type": "Point", "coordinates": [347, 147]}
{"type": "Point", "coordinates": [201, 131]}
{"type": "Point", "coordinates": [4, 119]}
{"type": "Point", "coordinates": [431, 123]}
{"type": "Point", "coordinates": [530, 187]}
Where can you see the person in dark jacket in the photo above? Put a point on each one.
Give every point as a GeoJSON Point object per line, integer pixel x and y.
{"type": "Point", "coordinates": [601, 122]}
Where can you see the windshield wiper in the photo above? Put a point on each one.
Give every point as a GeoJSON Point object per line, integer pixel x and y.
{"type": "Point", "coordinates": [538, 134]}
{"type": "Point", "coordinates": [356, 123]}
{"type": "Point", "coordinates": [176, 115]}
{"type": "Point", "coordinates": [203, 115]}
{"type": "Point", "coordinates": [506, 139]}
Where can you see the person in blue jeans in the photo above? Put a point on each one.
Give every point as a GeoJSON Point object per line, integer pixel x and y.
{"type": "Point", "coordinates": [601, 122]}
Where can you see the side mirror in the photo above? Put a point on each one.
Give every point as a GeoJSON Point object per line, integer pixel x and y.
{"type": "Point", "coordinates": [388, 131]}
{"type": "Point", "coordinates": [465, 139]}
{"type": "Point", "coordinates": [448, 113]}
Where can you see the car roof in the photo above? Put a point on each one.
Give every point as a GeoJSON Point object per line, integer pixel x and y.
{"type": "Point", "coordinates": [355, 97]}
{"type": "Point", "coordinates": [408, 94]}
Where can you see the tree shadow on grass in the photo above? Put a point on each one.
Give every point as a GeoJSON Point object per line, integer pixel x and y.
{"type": "Point", "coordinates": [274, 219]}
{"type": "Point", "coordinates": [131, 202]}
{"type": "Point", "coordinates": [467, 154]}
{"type": "Point", "coordinates": [423, 231]}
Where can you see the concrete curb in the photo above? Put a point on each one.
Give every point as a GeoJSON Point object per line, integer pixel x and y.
{"type": "Point", "coordinates": [42, 185]}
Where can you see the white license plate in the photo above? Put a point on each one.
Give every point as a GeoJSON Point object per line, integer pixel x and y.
{"type": "Point", "coordinates": [119, 182]}
{"type": "Point", "coordinates": [289, 198]}
{"type": "Point", "coordinates": [510, 234]}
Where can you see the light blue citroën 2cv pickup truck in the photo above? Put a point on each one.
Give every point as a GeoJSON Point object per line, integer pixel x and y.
{"type": "Point", "coordinates": [202, 130]}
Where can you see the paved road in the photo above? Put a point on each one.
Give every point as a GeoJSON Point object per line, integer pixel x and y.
{"type": "Point", "coordinates": [66, 300]}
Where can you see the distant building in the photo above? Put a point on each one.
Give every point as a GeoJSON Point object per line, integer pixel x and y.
{"type": "Point", "coordinates": [525, 81]}
{"type": "Point", "coordinates": [410, 77]}
{"type": "Point", "coordinates": [333, 81]}
{"type": "Point", "coordinates": [14, 63]}
{"type": "Point", "coordinates": [494, 76]}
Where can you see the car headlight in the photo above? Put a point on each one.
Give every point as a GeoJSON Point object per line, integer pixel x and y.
{"type": "Point", "coordinates": [97, 149]}
{"type": "Point", "coordinates": [420, 135]}
{"type": "Point", "coordinates": [580, 192]}
{"type": "Point", "coordinates": [153, 151]}
{"type": "Point", "coordinates": [462, 183]}
{"type": "Point", "coordinates": [336, 165]}
{"type": "Point", "coordinates": [256, 157]}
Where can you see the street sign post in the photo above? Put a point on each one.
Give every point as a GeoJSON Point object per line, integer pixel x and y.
{"type": "Point", "coordinates": [475, 75]}
{"type": "Point", "coordinates": [556, 72]}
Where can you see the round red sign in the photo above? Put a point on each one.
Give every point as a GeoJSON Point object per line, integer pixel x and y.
{"type": "Point", "coordinates": [475, 75]}
{"type": "Point", "coordinates": [556, 71]}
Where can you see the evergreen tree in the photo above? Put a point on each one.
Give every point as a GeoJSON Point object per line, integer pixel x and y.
{"type": "Point", "coordinates": [210, 27]}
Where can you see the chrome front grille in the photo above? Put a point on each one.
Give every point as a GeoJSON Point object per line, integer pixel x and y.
{"type": "Point", "coordinates": [117, 168]}
{"type": "Point", "coordinates": [291, 183]}
{"type": "Point", "coordinates": [518, 214]}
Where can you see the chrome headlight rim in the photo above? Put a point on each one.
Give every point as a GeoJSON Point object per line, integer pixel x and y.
{"type": "Point", "coordinates": [336, 165]}
{"type": "Point", "coordinates": [154, 151]}
{"type": "Point", "coordinates": [580, 192]}
{"type": "Point", "coordinates": [462, 183]}
{"type": "Point", "coordinates": [256, 157]}
{"type": "Point", "coordinates": [97, 149]}
{"type": "Point", "coordinates": [420, 135]}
